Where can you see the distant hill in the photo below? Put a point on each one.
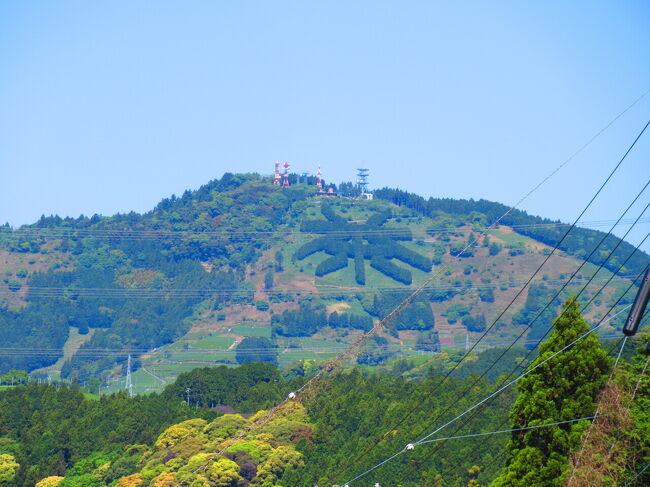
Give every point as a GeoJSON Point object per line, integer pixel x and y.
{"type": "Point", "coordinates": [193, 281]}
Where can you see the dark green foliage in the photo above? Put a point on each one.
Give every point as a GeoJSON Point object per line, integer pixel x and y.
{"type": "Point", "coordinates": [56, 427]}
{"type": "Point", "coordinates": [475, 323]}
{"type": "Point", "coordinates": [456, 311]}
{"type": "Point", "coordinates": [460, 249]}
{"type": "Point", "coordinates": [248, 388]}
{"type": "Point", "coordinates": [348, 244]}
{"type": "Point", "coordinates": [357, 430]}
{"type": "Point", "coordinates": [268, 280]}
{"type": "Point", "coordinates": [486, 294]}
{"type": "Point", "coordinates": [393, 271]}
{"type": "Point", "coordinates": [416, 316]}
{"type": "Point", "coordinates": [506, 362]}
{"type": "Point", "coordinates": [359, 263]}
{"type": "Point", "coordinates": [187, 234]}
{"type": "Point", "coordinates": [410, 257]}
{"type": "Point", "coordinates": [256, 349]}
{"type": "Point", "coordinates": [538, 297]}
{"type": "Point", "coordinates": [347, 320]}
{"type": "Point", "coordinates": [304, 321]}
{"type": "Point", "coordinates": [279, 261]}
{"type": "Point", "coordinates": [640, 414]}
{"type": "Point", "coordinates": [495, 248]}
{"type": "Point", "coordinates": [331, 264]}
{"type": "Point", "coordinates": [26, 329]}
{"type": "Point", "coordinates": [565, 387]}
{"type": "Point", "coordinates": [376, 352]}
{"type": "Point", "coordinates": [311, 247]}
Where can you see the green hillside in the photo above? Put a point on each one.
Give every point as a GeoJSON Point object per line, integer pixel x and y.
{"type": "Point", "coordinates": [201, 277]}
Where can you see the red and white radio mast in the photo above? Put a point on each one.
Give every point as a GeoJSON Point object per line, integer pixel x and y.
{"type": "Point", "coordinates": [319, 181]}
{"type": "Point", "coordinates": [285, 177]}
{"type": "Point", "coordinates": [276, 175]}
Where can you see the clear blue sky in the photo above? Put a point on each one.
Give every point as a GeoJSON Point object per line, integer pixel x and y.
{"type": "Point", "coordinates": [110, 106]}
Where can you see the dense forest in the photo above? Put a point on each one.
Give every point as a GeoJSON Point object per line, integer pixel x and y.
{"type": "Point", "coordinates": [349, 422]}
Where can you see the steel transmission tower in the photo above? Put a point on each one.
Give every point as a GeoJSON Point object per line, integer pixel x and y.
{"type": "Point", "coordinates": [129, 384]}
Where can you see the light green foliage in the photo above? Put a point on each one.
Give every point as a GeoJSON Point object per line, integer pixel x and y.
{"type": "Point", "coordinates": [224, 473]}
{"type": "Point", "coordinates": [14, 377]}
{"type": "Point", "coordinates": [53, 481]}
{"type": "Point", "coordinates": [84, 480]}
{"type": "Point", "coordinates": [177, 433]}
{"type": "Point", "coordinates": [563, 388]}
{"type": "Point", "coordinates": [281, 459]}
{"type": "Point", "coordinates": [225, 426]}
{"type": "Point", "coordinates": [203, 470]}
{"type": "Point", "coordinates": [259, 450]}
{"type": "Point", "coordinates": [8, 468]}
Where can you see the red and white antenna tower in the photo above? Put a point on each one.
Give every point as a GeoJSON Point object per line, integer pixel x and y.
{"type": "Point", "coordinates": [319, 181]}
{"type": "Point", "coordinates": [276, 175]}
{"type": "Point", "coordinates": [285, 177]}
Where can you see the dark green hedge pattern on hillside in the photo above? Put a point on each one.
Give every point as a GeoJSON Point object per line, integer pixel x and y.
{"type": "Point", "coordinates": [346, 241]}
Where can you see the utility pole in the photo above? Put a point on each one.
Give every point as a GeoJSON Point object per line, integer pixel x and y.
{"type": "Point", "coordinates": [188, 396]}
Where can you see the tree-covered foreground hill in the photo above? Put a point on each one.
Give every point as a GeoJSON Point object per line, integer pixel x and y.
{"type": "Point", "coordinates": [559, 425]}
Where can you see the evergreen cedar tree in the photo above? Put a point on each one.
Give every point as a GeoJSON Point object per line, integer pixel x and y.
{"type": "Point", "coordinates": [564, 388]}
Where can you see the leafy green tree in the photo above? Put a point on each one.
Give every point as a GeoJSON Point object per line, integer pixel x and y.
{"type": "Point", "coordinates": [14, 377]}
{"type": "Point", "coordinates": [564, 388]}
{"type": "Point", "coordinates": [8, 468]}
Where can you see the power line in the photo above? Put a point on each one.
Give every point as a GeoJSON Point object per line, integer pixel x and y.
{"type": "Point", "coordinates": [503, 452]}
{"type": "Point", "coordinates": [638, 474]}
{"type": "Point", "coordinates": [351, 350]}
{"type": "Point", "coordinates": [324, 290]}
{"type": "Point", "coordinates": [98, 352]}
{"type": "Point", "coordinates": [591, 424]}
{"type": "Point", "coordinates": [163, 235]}
{"type": "Point", "coordinates": [511, 430]}
{"type": "Point", "coordinates": [410, 446]}
{"type": "Point", "coordinates": [514, 370]}
{"type": "Point", "coordinates": [501, 314]}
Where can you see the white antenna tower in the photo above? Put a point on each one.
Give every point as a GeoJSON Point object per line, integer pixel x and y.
{"type": "Point", "coordinates": [129, 384]}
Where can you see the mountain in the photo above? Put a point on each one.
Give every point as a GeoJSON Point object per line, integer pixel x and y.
{"type": "Point", "coordinates": [243, 270]}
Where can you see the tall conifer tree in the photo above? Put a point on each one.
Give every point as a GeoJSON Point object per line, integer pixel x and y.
{"type": "Point", "coordinates": [564, 388]}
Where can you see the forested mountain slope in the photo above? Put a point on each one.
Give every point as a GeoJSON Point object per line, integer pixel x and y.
{"type": "Point", "coordinates": [242, 270]}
